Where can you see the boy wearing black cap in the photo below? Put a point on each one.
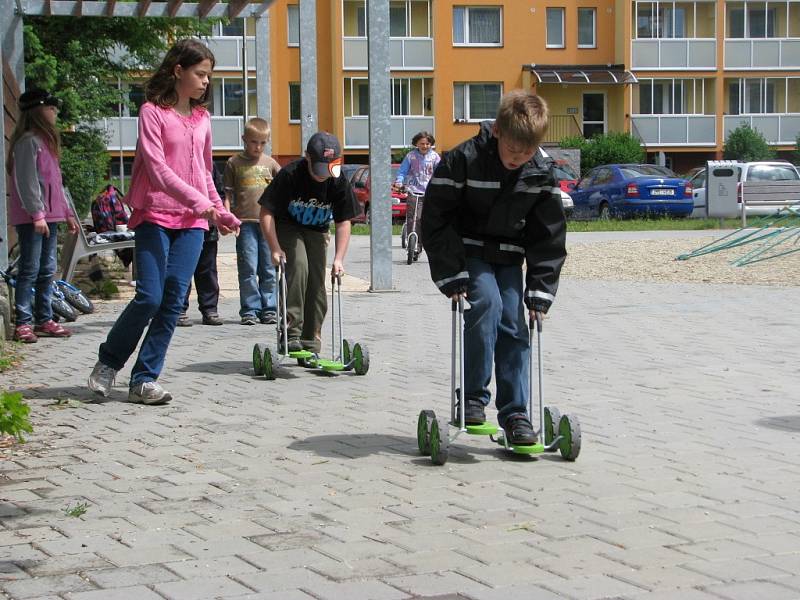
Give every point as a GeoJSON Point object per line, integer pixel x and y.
{"type": "Point", "coordinates": [296, 211]}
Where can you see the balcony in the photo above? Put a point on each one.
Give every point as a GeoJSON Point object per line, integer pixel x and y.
{"type": "Point", "coordinates": [122, 133]}
{"type": "Point", "coordinates": [778, 128]}
{"type": "Point", "coordinates": [228, 52]}
{"type": "Point", "coordinates": [762, 53]}
{"type": "Point", "coordinates": [674, 53]}
{"type": "Point", "coordinates": [409, 53]}
{"type": "Point", "coordinates": [356, 130]}
{"type": "Point", "coordinates": [675, 130]}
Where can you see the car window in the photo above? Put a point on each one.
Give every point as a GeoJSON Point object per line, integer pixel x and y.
{"type": "Point", "coordinates": [633, 171]}
{"type": "Point", "coordinates": [772, 173]}
{"type": "Point", "coordinates": [699, 180]}
{"type": "Point", "coordinates": [603, 177]}
{"type": "Point", "coordinates": [361, 176]}
{"type": "Point", "coordinates": [562, 173]}
{"type": "Point", "coordinates": [586, 181]}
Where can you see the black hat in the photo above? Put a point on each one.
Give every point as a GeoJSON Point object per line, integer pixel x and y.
{"type": "Point", "coordinates": [36, 97]}
{"type": "Point", "coordinates": [324, 153]}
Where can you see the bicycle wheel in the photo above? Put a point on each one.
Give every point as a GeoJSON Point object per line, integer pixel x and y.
{"type": "Point", "coordinates": [75, 297]}
{"type": "Point", "coordinates": [63, 309]}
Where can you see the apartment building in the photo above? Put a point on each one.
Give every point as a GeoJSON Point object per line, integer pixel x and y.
{"type": "Point", "coordinates": [679, 75]}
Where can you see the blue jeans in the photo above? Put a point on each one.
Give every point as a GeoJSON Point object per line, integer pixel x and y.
{"type": "Point", "coordinates": [36, 269]}
{"type": "Point", "coordinates": [496, 334]}
{"type": "Point", "coordinates": [165, 262]}
{"type": "Point", "coordinates": [256, 272]}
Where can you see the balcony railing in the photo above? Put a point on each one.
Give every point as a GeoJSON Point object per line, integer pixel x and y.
{"type": "Point", "coordinates": [413, 53]}
{"type": "Point", "coordinates": [777, 128]}
{"type": "Point", "coordinates": [356, 130]}
{"type": "Point", "coordinates": [675, 130]}
{"type": "Point", "coordinates": [762, 53]}
{"type": "Point", "coordinates": [122, 133]}
{"type": "Point", "coordinates": [228, 52]}
{"type": "Point", "coordinates": [668, 53]}
{"type": "Point", "coordinates": [560, 127]}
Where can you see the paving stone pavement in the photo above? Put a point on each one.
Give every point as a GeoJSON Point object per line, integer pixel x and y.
{"type": "Point", "coordinates": [311, 486]}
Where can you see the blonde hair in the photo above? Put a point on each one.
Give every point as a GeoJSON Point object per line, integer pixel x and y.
{"type": "Point", "coordinates": [257, 126]}
{"type": "Point", "coordinates": [34, 120]}
{"type": "Point", "coordinates": [522, 117]}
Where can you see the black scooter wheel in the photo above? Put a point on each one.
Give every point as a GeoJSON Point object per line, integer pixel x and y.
{"type": "Point", "coordinates": [440, 444]}
{"type": "Point", "coordinates": [360, 358]}
{"type": "Point", "coordinates": [258, 359]}
{"type": "Point", "coordinates": [570, 431]}
{"type": "Point", "coordinates": [424, 421]}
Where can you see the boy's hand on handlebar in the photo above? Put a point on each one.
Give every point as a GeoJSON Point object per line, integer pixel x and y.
{"type": "Point", "coordinates": [278, 257]}
{"type": "Point", "coordinates": [337, 269]}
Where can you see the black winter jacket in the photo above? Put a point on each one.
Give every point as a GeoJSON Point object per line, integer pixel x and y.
{"type": "Point", "coordinates": [475, 207]}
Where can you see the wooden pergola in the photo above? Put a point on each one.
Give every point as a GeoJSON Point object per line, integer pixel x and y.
{"type": "Point", "coordinates": [12, 13]}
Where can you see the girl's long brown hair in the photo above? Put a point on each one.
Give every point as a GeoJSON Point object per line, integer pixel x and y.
{"type": "Point", "coordinates": [34, 120]}
{"type": "Point", "coordinates": [160, 88]}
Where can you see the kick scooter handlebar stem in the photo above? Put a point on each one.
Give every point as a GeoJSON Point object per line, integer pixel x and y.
{"type": "Point", "coordinates": [536, 322]}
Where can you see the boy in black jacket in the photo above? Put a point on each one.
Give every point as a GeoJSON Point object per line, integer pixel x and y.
{"type": "Point", "coordinates": [492, 204]}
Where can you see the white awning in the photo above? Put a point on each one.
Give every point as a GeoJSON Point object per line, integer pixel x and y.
{"type": "Point", "coordinates": [581, 74]}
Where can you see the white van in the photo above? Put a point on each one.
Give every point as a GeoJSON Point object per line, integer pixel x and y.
{"type": "Point", "coordinates": [748, 171]}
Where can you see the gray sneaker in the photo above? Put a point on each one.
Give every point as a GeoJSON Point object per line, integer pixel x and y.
{"type": "Point", "coordinates": [149, 393]}
{"type": "Point", "coordinates": [102, 379]}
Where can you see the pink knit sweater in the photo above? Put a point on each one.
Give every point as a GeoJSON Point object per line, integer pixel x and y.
{"type": "Point", "coordinates": [172, 184]}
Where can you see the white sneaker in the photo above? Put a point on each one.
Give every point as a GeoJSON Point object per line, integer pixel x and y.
{"type": "Point", "coordinates": [102, 379]}
{"type": "Point", "coordinates": [149, 393]}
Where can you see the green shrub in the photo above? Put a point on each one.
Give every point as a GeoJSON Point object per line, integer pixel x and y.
{"type": "Point", "coordinates": [606, 149]}
{"type": "Point", "coordinates": [14, 415]}
{"type": "Point", "coordinates": [84, 163]}
{"type": "Point", "coordinates": [747, 144]}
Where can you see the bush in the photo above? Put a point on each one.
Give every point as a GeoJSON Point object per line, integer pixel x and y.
{"type": "Point", "coordinates": [605, 149]}
{"type": "Point", "coordinates": [797, 150]}
{"type": "Point", "coordinates": [84, 163]}
{"type": "Point", "coordinates": [14, 415]}
{"type": "Point", "coordinates": [747, 144]}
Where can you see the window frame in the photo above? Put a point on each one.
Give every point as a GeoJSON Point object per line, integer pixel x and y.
{"type": "Point", "coordinates": [562, 10]}
{"type": "Point", "coordinates": [465, 33]}
{"type": "Point", "coordinates": [468, 118]}
{"type": "Point", "coordinates": [289, 41]}
{"type": "Point", "coordinates": [295, 85]}
{"type": "Point", "coordinates": [593, 11]}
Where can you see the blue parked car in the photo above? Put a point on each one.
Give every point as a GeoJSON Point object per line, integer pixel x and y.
{"type": "Point", "coordinates": [632, 190]}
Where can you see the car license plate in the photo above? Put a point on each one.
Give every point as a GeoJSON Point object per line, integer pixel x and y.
{"type": "Point", "coordinates": [662, 192]}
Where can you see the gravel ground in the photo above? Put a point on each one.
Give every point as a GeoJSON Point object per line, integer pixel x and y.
{"type": "Point", "coordinates": [654, 260]}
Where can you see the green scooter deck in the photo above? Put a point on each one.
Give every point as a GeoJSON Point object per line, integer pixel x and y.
{"type": "Point", "coordinates": [304, 354]}
{"type": "Point", "coordinates": [330, 365]}
{"type": "Point", "coordinates": [485, 428]}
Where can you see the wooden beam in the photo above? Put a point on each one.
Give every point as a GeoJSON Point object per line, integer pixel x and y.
{"type": "Point", "coordinates": [77, 11]}
{"type": "Point", "coordinates": [205, 7]}
{"type": "Point", "coordinates": [48, 8]}
{"type": "Point", "coordinates": [235, 7]}
{"type": "Point", "coordinates": [173, 7]}
{"type": "Point", "coordinates": [142, 7]}
{"type": "Point", "coordinates": [110, 7]}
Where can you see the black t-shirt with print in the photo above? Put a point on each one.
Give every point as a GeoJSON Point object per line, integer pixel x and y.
{"type": "Point", "coordinates": [295, 196]}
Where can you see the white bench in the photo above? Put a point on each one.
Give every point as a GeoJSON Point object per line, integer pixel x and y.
{"type": "Point", "coordinates": [77, 245]}
{"type": "Point", "coordinates": [770, 195]}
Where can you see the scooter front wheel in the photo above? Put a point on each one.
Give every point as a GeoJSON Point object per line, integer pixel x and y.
{"type": "Point", "coordinates": [570, 431]}
{"type": "Point", "coordinates": [440, 444]}
{"type": "Point", "coordinates": [424, 421]}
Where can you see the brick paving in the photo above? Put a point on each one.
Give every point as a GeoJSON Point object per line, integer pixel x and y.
{"type": "Point", "coordinates": [311, 486]}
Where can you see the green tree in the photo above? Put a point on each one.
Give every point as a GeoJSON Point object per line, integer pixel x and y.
{"type": "Point", "coordinates": [80, 59]}
{"type": "Point", "coordinates": [747, 144]}
{"type": "Point", "coordinates": [604, 149]}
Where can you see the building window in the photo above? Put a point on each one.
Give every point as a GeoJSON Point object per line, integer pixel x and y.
{"type": "Point", "coordinates": [227, 97]}
{"type": "Point", "coordinates": [412, 96]}
{"type": "Point", "coordinates": [233, 29]}
{"type": "Point", "coordinates": [356, 97]}
{"type": "Point", "coordinates": [587, 27]}
{"type": "Point", "coordinates": [476, 101]}
{"type": "Point", "coordinates": [398, 19]}
{"type": "Point", "coordinates": [293, 24]}
{"type": "Point", "coordinates": [662, 19]}
{"type": "Point", "coordinates": [477, 26]}
{"type": "Point", "coordinates": [752, 20]}
{"type": "Point", "coordinates": [555, 27]}
{"type": "Point", "coordinates": [674, 97]}
{"type": "Point", "coordinates": [295, 111]}
{"type": "Point", "coordinates": [751, 96]}
{"type": "Point", "coordinates": [354, 14]}
{"type": "Point", "coordinates": [136, 98]}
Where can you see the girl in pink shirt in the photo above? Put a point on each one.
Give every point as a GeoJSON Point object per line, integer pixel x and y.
{"type": "Point", "coordinates": [173, 198]}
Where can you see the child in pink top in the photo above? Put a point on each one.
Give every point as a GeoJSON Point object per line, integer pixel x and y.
{"type": "Point", "coordinates": [173, 198]}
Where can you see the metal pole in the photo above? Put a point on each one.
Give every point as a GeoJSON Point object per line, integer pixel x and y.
{"type": "Point", "coordinates": [308, 70]}
{"type": "Point", "coordinates": [380, 145]}
{"type": "Point", "coordinates": [245, 90]}
{"type": "Point", "coordinates": [263, 77]}
{"type": "Point", "coordinates": [119, 128]}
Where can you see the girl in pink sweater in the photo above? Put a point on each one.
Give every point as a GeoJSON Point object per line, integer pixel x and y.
{"type": "Point", "coordinates": [173, 198]}
{"type": "Point", "coordinates": [36, 208]}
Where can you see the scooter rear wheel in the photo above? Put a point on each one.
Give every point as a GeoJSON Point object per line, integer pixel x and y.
{"type": "Point", "coordinates": [570, 431]}
{"type": "Point", "coordinates": [269, 367]}
{"type": "Point", "coordinates": [552, 419]}
{"type": "Point", "coordinates": [360, 358]}
{"type": "Point", "coordinates": [258, 359]}
{"type": "Point", "coordinates": [440, 444]}
{"type": "Point", "coordinates": [424, 421]}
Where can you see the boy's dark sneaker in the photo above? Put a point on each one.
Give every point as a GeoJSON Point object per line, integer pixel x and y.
{"type": "Point", "coordinates": [520, 431]}
{"type": "Point", "coordinates": [212, 319]}
{"type": "Point", "coordinates": [269, 318]}
{"type": "Point", "coordinates": [249, 320]}
{"type": "Point", "coordinates": [295, 345]}
{"type": "Point", "coordinates": [183, 321]}
{"type": "Point", "coordinates": [475, 414]}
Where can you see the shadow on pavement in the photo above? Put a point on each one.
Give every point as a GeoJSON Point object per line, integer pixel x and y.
{"type": "Point", "coordinates": [234, 367]}
{"type": "Point", "coordinates": [357, 445]}
{"type": "Point", "coordinates": [72, 392]}
{"type": "Point", "coordinates": [785, 423]}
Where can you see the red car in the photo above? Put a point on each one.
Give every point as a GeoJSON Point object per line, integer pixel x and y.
{"type": "Point", "coordinates": [361, 188]}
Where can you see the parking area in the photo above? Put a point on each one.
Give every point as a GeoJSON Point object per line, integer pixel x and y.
{"type": "Point", "coordinates": [311, 486]}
